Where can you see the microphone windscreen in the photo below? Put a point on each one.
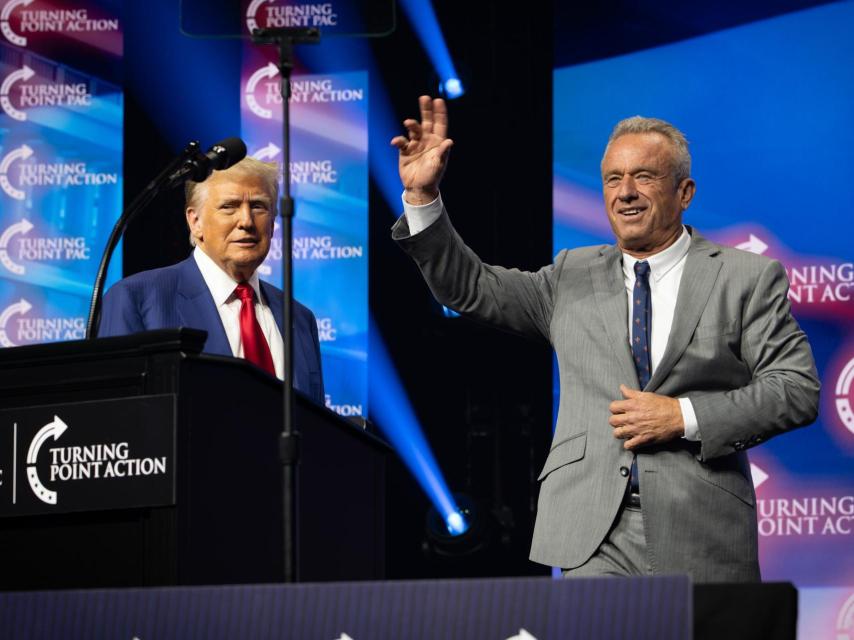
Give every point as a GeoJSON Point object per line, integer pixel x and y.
{"type": "Point", "coordinates": [228, 152]}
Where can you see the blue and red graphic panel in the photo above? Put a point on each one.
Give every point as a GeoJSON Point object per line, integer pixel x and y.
{"type": "Point", "coordinates": [60, 162]}
{"type": "Point", "coordinates": [329, 182]}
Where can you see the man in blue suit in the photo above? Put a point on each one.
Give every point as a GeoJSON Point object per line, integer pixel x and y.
{"type": "Point", "coordinates": [217, 289]}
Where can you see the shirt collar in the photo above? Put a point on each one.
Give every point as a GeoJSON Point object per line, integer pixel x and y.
{"type": "Point", "coordinates": [221, 284]}
{"type": "Point", "coordinates": [663, 261]}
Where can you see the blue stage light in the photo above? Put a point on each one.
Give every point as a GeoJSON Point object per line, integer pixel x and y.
{"type": "Point", "coordinates": [423, 20]}
{"type": "Point", "coordinates": [391, 411]}
{"type": "Point", "coordinates": [452, 88]}
{"type": "Point", "coordinates": [457, 525]}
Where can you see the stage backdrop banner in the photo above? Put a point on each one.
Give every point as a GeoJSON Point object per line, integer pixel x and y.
{"type": "Point", "coordinates": [766, 108]}
{"type": "Point", "coordinates": [60, 162]}
{"type": "Point", "coordinates": [329, 182]}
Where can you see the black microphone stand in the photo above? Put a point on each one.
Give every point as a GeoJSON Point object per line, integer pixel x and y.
{"type": "Point", "coordinates": [165, 178]}
{"type": "Point", "coordinates": [289, 449]}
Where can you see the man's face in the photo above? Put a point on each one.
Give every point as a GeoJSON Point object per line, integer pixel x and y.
{"type": "Point", "coordinates": [643, 202]}
{"type": "Point", "coordinates": [234, 223]}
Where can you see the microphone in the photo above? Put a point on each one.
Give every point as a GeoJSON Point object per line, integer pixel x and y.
{"type": "Point", "coordinates": [199, 166]}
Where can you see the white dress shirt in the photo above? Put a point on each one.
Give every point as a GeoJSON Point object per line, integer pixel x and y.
{"type": "Point", "coordinates": [666, 270]}
{"type": "Point", "coordinates": [222, 286]}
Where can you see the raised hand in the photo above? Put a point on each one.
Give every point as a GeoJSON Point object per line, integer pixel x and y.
{"type": "Point", "coordinates": [424, 153]}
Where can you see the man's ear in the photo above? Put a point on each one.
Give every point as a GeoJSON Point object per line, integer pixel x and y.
{"type": "Point", "coordinates": [194, 223]}
{"type": "Point", "coordinates": [686, 192]}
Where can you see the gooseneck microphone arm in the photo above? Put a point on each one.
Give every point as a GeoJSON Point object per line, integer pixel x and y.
{"type": "Point", "coordinates": [191, 164]}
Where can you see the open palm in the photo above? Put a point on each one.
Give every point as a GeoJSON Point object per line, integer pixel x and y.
{"type": "Point", "coordinates": [423, 155]}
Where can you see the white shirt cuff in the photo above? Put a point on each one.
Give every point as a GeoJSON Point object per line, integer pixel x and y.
{"type": "Point", "coordinates": [692, 429]}
{"type": "Point", "coordinates": [419, 217]}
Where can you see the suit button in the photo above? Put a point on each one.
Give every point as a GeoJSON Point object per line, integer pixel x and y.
{"type": "Point", "coordinates": [624, 472]}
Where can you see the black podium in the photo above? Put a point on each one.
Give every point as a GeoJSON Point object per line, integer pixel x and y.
{"type": "Point", "coordinates": [138, 461]}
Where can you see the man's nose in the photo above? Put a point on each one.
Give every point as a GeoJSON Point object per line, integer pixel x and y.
{"type": "Point", "coordinates": [245, 219]}
{"type": "Point", "coordinates": [627, 191]}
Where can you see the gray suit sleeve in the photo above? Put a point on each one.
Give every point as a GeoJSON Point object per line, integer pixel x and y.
{"type": "Point", "coordinates": [784, 390]}
{"type": "Point", "coordinates": [514, 300]}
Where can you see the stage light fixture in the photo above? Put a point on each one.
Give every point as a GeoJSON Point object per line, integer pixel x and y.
{"type": "Point", "coordinates": [451, 88]}
{"type": "Point", "coordinates": [447, 541]}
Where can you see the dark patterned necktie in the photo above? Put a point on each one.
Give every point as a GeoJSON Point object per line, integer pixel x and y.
{"type": "Point", "coordinates": [641, 323]}
{"type": "Point", "coordinates": [641, 320]}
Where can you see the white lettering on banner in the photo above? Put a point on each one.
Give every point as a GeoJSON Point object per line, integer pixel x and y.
{"type": "Point", "coordinates": [43, 249]}
{"type": "Point", "coordinates": [313, 171]}
{"type": "Point", "coordinates": [27, 330]}
{"type": "Point", "coordinates": [304, 15]}
{"type": "Point", "coordinates": [63, 175]}
{"type": "Point", "coordinates": [38, 249]}
{"type": "Point", "coordinates": [50, 329]}
{"type": "Point", "coordinates": [55, 95]}
{"type": "Point", "coordinates": [815, 284]}
{"type": "Point", "coordinates": [343, 409]}
{"type": "Point", "coordinates": [809, 516]}
{"type": "Point", "coordinates": [102, 460]}
{"type": "Point", "coordinates": [326, 332]}
{"type": "Point", "coordinates": [59, 20]}
{"type": "Point", "coordinates": [322, 248]}
{"type": "Point", "coordinates": [56, 174]}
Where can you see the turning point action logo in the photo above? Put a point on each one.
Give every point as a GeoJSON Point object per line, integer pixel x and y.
{"type": "Point", "coordinates": [103, 460]}
{"type": "Point", "coordinates": [26, 330]}
{"type": "Point", "coordinates": [64, 175]}
{"type": "Point", "coordinates": [321, 14]}
{"type": "Point", "coordinates": [263, 91]}
{"type": "Point", "coordinates": [48, 21]}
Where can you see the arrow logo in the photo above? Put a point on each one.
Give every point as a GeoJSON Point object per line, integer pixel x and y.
{"type": "Point", "coordinates": [523, 635]}
{"type": "Point", "coordinates": [20, 308]}
{"type": "Point", "coordinates": [843, 401]}
{"type": "Point", "coordinates": [11, 36]}
{"type": "Point", "coordinates": [759, 476]}
{"type": "Point", "coordinates": [270, 71]}
{"type": "Point", "coordinates": [51, 429]}
{"type": "Point", "coordinates": [264, 153]}
{"type": "Point", "coordinates": [22, 227]}
{"type": "Point", "coordinates": [251, 24]}
{"type": "Point", "coordinates": [24, 73]}
{"type": "Point", "coordinates": [754, 245]}
{"type": "Point", "coordinates": [21, 153]}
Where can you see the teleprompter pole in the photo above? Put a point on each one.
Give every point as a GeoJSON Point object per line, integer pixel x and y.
{"type": "Point", "coordinates": [289, 449]}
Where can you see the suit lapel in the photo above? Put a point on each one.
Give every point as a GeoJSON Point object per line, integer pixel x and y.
{"type": "Point", "coordinates": [698, 279]}
{"type": "Point", "coordinates": [610, 290]}
{"type": "Point", "coordinates": [196, 308]}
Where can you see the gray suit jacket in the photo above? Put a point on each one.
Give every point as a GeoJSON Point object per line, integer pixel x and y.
{"type": "Point", "coordinates": [734, 349]}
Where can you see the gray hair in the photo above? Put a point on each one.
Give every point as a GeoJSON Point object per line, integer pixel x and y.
{"type": "Point", "coordinates": [195, 193]}
{"type": "Point", "coordinates": [677, 139]}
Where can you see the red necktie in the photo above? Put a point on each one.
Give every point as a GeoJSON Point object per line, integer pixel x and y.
{"type": "Point", "coordinates": [255, 347]}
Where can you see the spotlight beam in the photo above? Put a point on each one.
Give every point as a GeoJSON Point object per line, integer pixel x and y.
{"type": "Point", "coordinates": [423, 20]}
{"type": "Point", "coordinates": [393, 413]}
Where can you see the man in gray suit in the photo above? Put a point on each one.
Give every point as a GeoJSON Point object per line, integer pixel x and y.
{"type": "Point", "coordinates": [675, 356]}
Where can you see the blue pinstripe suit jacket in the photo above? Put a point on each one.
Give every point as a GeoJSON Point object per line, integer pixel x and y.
{"type": "Point", "coordinates": [177, 296]}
